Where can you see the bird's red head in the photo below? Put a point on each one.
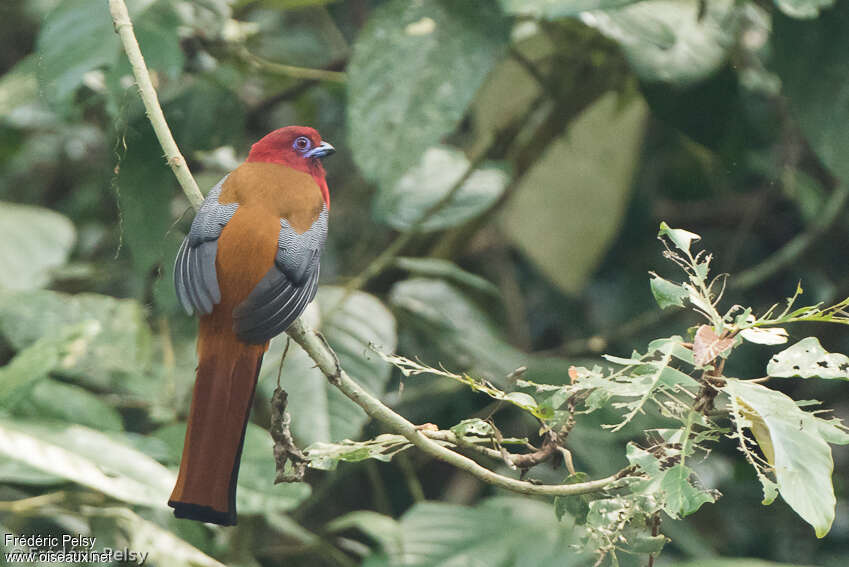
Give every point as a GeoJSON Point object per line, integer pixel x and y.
{"type": "Point", "coordinates": [298, 147]}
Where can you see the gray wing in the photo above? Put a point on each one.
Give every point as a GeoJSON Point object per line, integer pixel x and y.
{"type": "Point", "coordinates": [194, 269]}
{"type": "Point", "coordinates": [288, 287]}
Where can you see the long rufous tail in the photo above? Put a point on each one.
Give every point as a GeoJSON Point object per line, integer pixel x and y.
{"type": "Point", "coordinates": [221, 404]}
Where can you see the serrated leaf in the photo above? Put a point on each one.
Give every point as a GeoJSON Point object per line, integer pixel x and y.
{"type": "Point", "coordinates": [403, 204]}
{"type": "Point", "coordinates": [682, 498]}
{"type": "Point", "coordinates": [808, 359]}
{"type": "Point", "coordinates": [682, 239]}
{"type": "Point", "coordinates": [34, 241]}
{"type": "Point", "coordinates": [416, 67]}
{"type": "Point", "coordinates": [667, 293]}
{"type": "Point", "coordinates": [802, 457]}
{"type": "Point", "coordinates": [326, 456]}
{"type": "Point", "coordinates": [320, 413]}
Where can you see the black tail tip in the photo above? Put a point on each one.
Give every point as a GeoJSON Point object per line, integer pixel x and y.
{"type": "Point", "coordinates": [203, 513]}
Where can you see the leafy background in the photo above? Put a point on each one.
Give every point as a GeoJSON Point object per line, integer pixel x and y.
{"type": "Point", "coordinates": [595, 118]}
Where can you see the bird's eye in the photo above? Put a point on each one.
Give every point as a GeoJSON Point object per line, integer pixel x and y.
{"type": "Point", "coordinates": [302, 143]}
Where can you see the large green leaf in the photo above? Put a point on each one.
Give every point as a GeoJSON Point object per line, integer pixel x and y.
{"type": "Point", "coordinates": [151, 542]}
{"type": "Point", "coordinates": [463, 333]}
{"type": "Point", "coordinates": [568, 207]}
{"type": "Point", "coordinates": [415, 69]}
{"type": "Point", "coordinates": [498, 531]}
{"type": "Point", "coordinates": [555, 9]}
{"type": "Point", "coordinates": [34, 241]}
{"type": "Point", "coordinates": [121, 348]}
{"type": "Point", "coordinates": [668, 40]}
{"type": "Point", "coordinates": [803, 8]}
{"type": "Point", "coordinates": [33, 363]}
{"type": "Point", "coordinates": [796, 444]}
{"type": "Point", "coordinates": [256, 492]}
{"type": "Point", "coordinates": [428, 182]}
{"type": "Point", "coordinates": [51, 399]}
{"type": "Point", "coordinates": [89, 458]}
{"type": "Point", "coordinates": [18, 86]}
{"type": "Point", "coordinates": [816, 93]}
{"type": "Point", "coordinates": [319, 411]}
{"type": "Point", "coordinates": [78, 36]}
{"type": "Point", "coordinates": [808, 359]}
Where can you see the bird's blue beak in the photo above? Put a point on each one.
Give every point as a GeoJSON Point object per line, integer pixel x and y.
{"type": "Point", "coordinates": [322, 150]}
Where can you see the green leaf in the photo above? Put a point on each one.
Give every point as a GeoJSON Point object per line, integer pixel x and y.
{"type": "Point", "coordinates": [668, 40]}
{"type": "Point", "coordinates": [808, 359]}
{"type": "Point", "coordinates": [735, 562]}
{"type": "Point", "coordinates": [811, 89]}
{"type": "Point", "coordinates": [122, 348]}
{"type": "Point", "coordinates": [47, 354]}
{"type": "Point", "coordinates": [667, 293]}
{"type": "Point", "coordinates": [457, 327]}
{"type": "Point", "coordinates": [575, 506]}
{"type": "Point", "coordinates": [682, 498]}
{"type": "Point", "coordinates": [680, 238]}
{"type": "Point", "coordinates": [51, 399]}
{"type": "Point", "coordinates": [498, 531]}
{"type": "Point", "coordinates": [427, 183]}
{"type": "Point", "coordinates": [76, 37]}
{"type": "Point", "coordinates": [256, 492]}
{"type": "Point", "coordinates": [439, 268]}
{"type": "Point", "coordinates": [798, 450]}
{"type": "Point", "coordinates": [19, 85]}
{"type": "Point", "coordinates": [89, 458]}
{"type": "Point", "coordinates": [568, 207]}
{"type": "Point", "coordinates": [556, 9]}
{"type": "Point", "coordinates": [320, 413]}
{"type": "Point", "coordinates": [804, 9]}
{"type": "Point", "coordinates": [157, 545]}
{"type": "Point", "coordinates": [326, 456]}
{"type": "Point", "coordinates": [34, 241]}
{"type": "Point", "coordinates": [415, 68]}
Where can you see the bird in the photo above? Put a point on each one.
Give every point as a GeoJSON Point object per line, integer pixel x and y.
{"type": "Point", "coordinates": [248, 268]}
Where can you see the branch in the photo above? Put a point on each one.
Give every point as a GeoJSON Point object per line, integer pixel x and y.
{"type": "Point", "coordinates": [303, 73]}
{"type": "Point", "coordinates": [312, 342]}
{"type": "Point", "coordinates": [124, 29]}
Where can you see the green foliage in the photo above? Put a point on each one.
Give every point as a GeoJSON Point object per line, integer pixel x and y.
{"type": "Point", "coordinates": [36, 240]}
{"type": "Point", "coordinates": [415, 69]}
{"type": "Point", "coordinates": [580, 124]}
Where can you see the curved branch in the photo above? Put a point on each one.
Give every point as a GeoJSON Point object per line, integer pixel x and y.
{"type": "Point", "coordinates": [312, 342]}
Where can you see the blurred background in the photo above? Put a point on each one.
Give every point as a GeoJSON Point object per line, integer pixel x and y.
{"type": "Point", "coordinates": [575, 126]}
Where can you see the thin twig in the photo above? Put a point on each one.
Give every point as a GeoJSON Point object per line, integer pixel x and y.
{"type": "Point", "coordinates": [311, 341]}
{"type": "Point", "coordinates": [295, 72]}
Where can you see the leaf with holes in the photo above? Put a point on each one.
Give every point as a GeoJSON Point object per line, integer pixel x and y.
{"type": "Point", "coordinates": [808, 359]}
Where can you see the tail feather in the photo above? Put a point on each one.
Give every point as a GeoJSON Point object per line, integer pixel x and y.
{"type": "Point", "coordinates": [221, 405]}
